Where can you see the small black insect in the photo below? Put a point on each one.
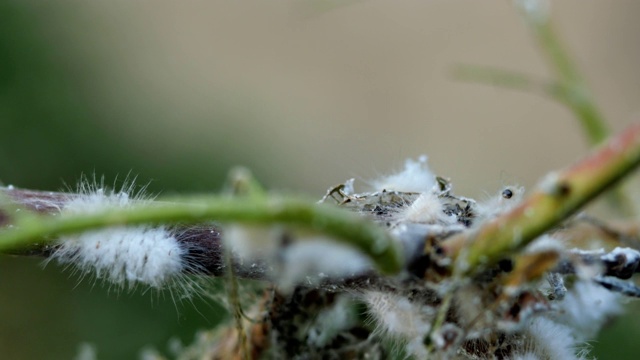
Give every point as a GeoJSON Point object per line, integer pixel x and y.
{"type": "Point", "coordinates": [507, 193]}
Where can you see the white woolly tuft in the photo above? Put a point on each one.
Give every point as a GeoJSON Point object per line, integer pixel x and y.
{"type": "Point", "coordinates": [401, 319]}
{"type": "Point", "coordinates": [426, 209]}
{"type": "Point", "coordinates": [348, 187]}
{"type": "Point", "coordinates": [126, 255]}
{"type": "Point", "coordinates": [559, 335]}
{"type": "Point", "coordinates": [545, 243]}
{"type": "Point", "coordinates": [416, 177]}
{"type": "Point", "coordinates": [397, 315]}
{"type": "Point", "coordinates": [551, 340]}
{"type": "Point", "coordinates": [331, 321]}
{"type": "Point", "coordinates": [251, 243]}
{"type": "Point", "coordinates": [294, 259]}
{"type": "Point", "coordinates": [311, 260]}
{"type": "Point", "coordinates": [411, 237]}
{"type": "Point", "coordinates": [527, 356]}
{"type": "Point", "coordinates": [586, 308]}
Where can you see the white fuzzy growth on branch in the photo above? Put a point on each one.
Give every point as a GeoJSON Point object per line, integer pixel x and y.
{"type": "Point", "coordinates": [315, 259]}
{"type": "Point", "coordinates": [551, 340]}
{"type": "Point", "coordinates": [124, 256]}
{"type": "Point", "coordinates": [399, 318]}
{"type": "Point", "coordinates": [586, 308]}
{"type": "Point", "coordinates": [416, 177]}
{"type": "Point", "coordinates": [426, 209]}
{"type": "Point", "coordinates": [294, 258]}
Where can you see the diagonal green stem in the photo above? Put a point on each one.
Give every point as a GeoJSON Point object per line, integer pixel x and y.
{"type": "Point", "coordinates": [559, 196]}
{"type": "Point", "coordinates": [574, 91]}
{"type": "Point", "coordinates": [489, 75]}
{"type": "Point", "coordinates": [515, 81]}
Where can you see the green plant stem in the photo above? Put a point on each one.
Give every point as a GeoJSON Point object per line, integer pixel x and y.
{"type": "Point", "coordinates": [344, 226]}
{"type": "Point", "coordinates": [558, 196]}
{"type": "Point", "coordinates": [573, 92]}
{"type": "Point", "coordinates": [501, 78]}
{"type": "Point", "coordinates": [569, 88]}
{"type": "Point", "coordinates": [233, 296]}
{"type": "Point", "coordinates": [573, 89]}
{"type": "Point", "coordinates": [511, 80]}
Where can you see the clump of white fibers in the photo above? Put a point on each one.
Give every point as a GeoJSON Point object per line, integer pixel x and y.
{"type": "Point", "coordinates": [562, 332]}
{"type": "Point", "coordinates": [550, 340]}
{"type": "Point", "coordinates": [293, 258]}
{"type": "Point", "coordinates": [125, 255]}
{"type": "Point", "coordinates": [587, 307]}
{"type": "Point", "coordinates": [426, 209]}
{"type": "Point", "coordinates": [416, 177]}
{"type": "Point", "coordinates": [401, 319]}
{"type": "Point", "coordinates": [331, 321]}
{"type": "Point", "coordinates": [250, 243]}
{"type": "Point", "coordinates": [316, 259]}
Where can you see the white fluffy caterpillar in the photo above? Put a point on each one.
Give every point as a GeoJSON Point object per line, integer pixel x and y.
{"type": "Point", "coordinates": [125, 256]}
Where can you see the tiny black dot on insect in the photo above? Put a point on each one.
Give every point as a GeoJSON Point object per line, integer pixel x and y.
{"type": "Point", "coordinates": [507, 193]}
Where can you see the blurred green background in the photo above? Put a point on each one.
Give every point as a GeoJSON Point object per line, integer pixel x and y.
{"type": "Point", "coordinates": [305, 93]}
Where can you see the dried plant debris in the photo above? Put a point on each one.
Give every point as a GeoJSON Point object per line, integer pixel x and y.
{"type": "Point", "coordinates": [543, 302]}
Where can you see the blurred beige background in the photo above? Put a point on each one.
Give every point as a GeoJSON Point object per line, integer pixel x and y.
{"type": "Point", "coordinates": [305, 93]}
{"type": "Point", "coordinates": [309, 93]}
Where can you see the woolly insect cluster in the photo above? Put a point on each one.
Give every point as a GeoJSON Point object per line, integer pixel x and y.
{"type": "Point", "coordinates": [323, 299]}
{"type": "Point", "coordinates": [507, 312]}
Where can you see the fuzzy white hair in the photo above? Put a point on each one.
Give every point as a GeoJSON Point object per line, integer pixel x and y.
{"type": "Point", "coordinates": [126, 256]}
{"type": "Point", "coordinates": [415, 177]}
